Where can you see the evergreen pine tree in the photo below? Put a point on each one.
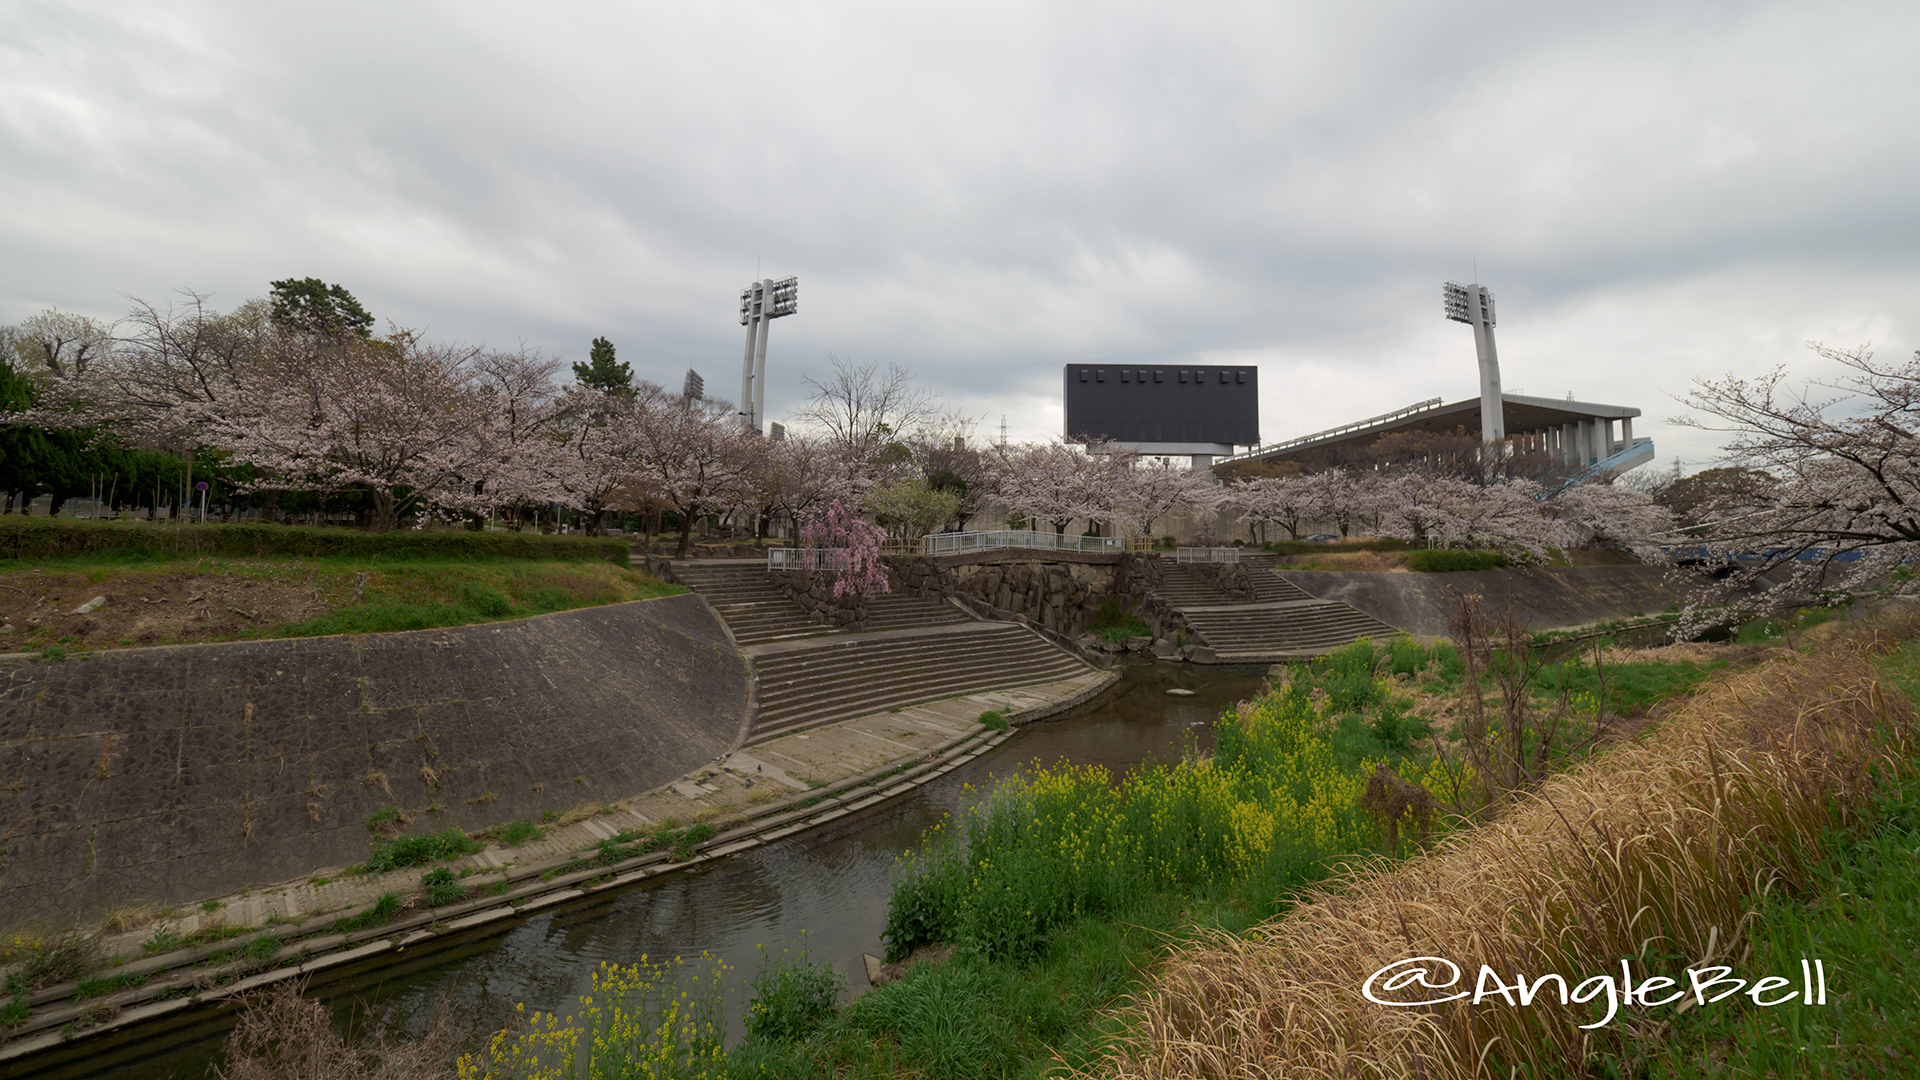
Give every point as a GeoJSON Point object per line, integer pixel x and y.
{"type": "Point", "coordinates": [601, 371]}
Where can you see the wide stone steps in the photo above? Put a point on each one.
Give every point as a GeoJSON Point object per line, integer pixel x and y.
{"type": "Point", "coordinates": [861, 674]}
{"type": "Point", "coordinates": [1272, 633]}
{"type": "Point", "coordinates": [898, 611]}
{"type": "Point", "coordinates": [1181, 585]}
{"type": "Point", "coordinates": [1269, 587]}
{"type": "Point", "coordinates": [750, 604]}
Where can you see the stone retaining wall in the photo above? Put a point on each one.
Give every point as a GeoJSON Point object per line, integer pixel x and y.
{"type": "Point", "coordinates": [1058, 591]}
{"type": "Point", "coordinates": [814, 593]}
{"type": "Point", "coordinates": [166, 775]}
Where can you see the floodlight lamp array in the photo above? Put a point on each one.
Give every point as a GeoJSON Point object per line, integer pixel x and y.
{"type": "Point", "coordinates": [769, 300]}
{"type": "Point", "coordinates": [1460, 301]}
{"type": "Point", "coordinates": [785, 298]}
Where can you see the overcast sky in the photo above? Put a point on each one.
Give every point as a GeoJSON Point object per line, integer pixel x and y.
{"type": "Point", "coordinates": [984, 193]}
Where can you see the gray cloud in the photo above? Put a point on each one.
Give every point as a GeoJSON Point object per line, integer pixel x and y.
{"type": "Point", "coordinates": [1655, 192]}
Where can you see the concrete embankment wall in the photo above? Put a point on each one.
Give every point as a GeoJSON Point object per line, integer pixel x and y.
{"type": "Point", "coordinates": [165, 775]}
{"type": "Point", "coordinates": [1542, 598]}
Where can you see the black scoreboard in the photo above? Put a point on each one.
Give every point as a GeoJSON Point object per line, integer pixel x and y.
{"type": "Point", "coordinates": [1141, 403]}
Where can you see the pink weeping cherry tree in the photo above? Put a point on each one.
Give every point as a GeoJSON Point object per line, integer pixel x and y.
{"type": "Point", "coordinates": [841, 529]}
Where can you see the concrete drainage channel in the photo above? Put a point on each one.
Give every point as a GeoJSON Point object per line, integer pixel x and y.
{"type": "Point", "coordinates": [180, 980]}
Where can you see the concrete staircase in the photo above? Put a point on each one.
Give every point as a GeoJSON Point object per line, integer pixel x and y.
{"type": "Point", "coordinates": [898, 611]}
{"type": "Point", "coordinates": [804, 685]}
{"type": "Point", "coordinates": [1182, 585]}
{"type": "Point", "coordinates": [1267, 632]}
{"type": "Point", "coordinates": [1269, 587]}
{"type": "Point", "coordinates": [751, 606]}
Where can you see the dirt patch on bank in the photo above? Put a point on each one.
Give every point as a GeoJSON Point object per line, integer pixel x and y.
{"type": "Point", "coordinates": [220, 599]}
{"type": "Point", "coordinates": [149, 607]}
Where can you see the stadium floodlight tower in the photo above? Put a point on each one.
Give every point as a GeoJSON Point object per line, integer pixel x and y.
{"type": "Point", "coordinates": [1473, 305]}
{"type": "Point", "coordinates": [760, 304]}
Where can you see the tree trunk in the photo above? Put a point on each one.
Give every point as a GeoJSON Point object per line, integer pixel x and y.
{"type": "Point", "coordinates": [383, 517]}
{"type": "Point", "coordinates": [686, 535]}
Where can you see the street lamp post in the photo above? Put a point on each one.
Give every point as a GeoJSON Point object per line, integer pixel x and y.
{"type": "Point", "coordinates": [1473, 305]}
{"type": "Point", "coordinates": [761, 303]}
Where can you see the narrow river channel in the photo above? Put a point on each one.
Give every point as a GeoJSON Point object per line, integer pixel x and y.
{"type": "Point", "coordinates": [825, 889]}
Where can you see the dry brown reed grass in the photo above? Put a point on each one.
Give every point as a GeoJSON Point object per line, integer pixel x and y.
{"type": "Point", "coordinates": [1652, 850]}
{"type": "Point", "coordinates": [283, 1035]}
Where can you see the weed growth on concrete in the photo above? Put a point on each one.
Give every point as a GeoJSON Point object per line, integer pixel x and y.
{"type": "Point", "coordinates": [442, 888]}
{"type": "Point", "coordinates": [382, 910]}
{"type": "Point", "coordinates": [404, 851]}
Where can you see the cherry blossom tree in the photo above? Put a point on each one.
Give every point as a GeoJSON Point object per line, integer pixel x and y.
{"type": "Point", "coordinates": [1842, 509]}
{"type": "Point", "coordinates": [1144, 491]}
{"type": "Point", "coordinates": [860, 572]}
{"type": "Point", "coordinates": [597, 445]}
{"type": "Point", "coordinates": [525, 454]}
{"type": "Point", "coordinates": [1057, 482]}
{"type": "Point", "coordinates": [1335, 497]}
{"type": "Point", "coordinates": [1444, 509]}
{"type": "Point", "coordinates": [397, 417]}
{"type": "Point", "coordinates": [176, 372]}
{"type": "Point", "coordinates": [691, 456]}
{"type": "Point", "coordinates": [1612, 515]}
{"type": "Point", "coordinates": [62, 343]}
{"type": "Point", "coordinates": [795, 477]}
{"type": "Point", "coordinates": [1283, 501]}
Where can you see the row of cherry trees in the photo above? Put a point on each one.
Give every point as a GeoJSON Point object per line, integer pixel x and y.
{"type": "Point", "coordinates": [1515, 515]}
{"type": "Point", "coordinates": [300, 395]}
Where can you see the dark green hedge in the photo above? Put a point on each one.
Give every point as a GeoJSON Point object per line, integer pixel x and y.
{"type": "Point", "coordinates": [1442, 561]}
{"type": "Point", "coordinates": [24, 537]}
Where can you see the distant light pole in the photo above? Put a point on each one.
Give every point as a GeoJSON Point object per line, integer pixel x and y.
{"type": "Point", "coordinates": [1473, 305]}
{"type": "Point", "coordinates": [761, 303]}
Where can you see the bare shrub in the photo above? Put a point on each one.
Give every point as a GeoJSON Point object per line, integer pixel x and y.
{"type": "Point", "coordinates": [283, 1035]}
{"type": "Point", "coordinates": [1391, 801]}
{"type": "Point", "coordinates": [1653, 850]}
{"type": "Point", "coordinates": [1513, 752]}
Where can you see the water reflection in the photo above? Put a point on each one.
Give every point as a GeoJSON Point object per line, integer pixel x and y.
{"type": "Point", "coordinates": [830, 885]}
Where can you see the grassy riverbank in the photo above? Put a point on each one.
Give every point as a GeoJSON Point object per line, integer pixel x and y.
{"type": "Point", "coordinates": [168, 600]}
{"type": "Point", "coordinates": [1026, 921]}
{"type": "Point", "coordinates": [1042, 901]}
{"type": "Point", "coordinates": [1663, 852]}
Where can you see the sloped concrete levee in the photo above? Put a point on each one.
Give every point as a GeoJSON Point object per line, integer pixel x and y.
{"type": "Point", "coordinates": [1287, 630]}
{"type": "Point", "coordinates": [697, 689]}
{"type": "Point", "coordinates": [1272, 619]}
{"type": "Point", "coordinates": [166, 775]}
{"type": "Point", "coordinates": [1542, 597]}
{"type": "Point", "coordinates": [804, 684]}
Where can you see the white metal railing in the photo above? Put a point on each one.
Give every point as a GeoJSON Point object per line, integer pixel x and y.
{"type": "Point", "coordinates": [809, 559]}
{"type": "Point", "coordinates": [1200, 554]}
{"type": "Point", "coordinates": [1357, 425]}
{"type": "Point", "coordinates": [949, 543]}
